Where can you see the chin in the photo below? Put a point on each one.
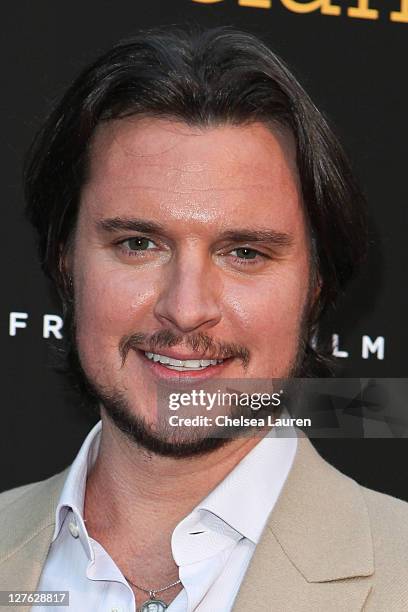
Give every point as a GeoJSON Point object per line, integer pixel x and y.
{"type": "Point", "coordinates": [162, 441]}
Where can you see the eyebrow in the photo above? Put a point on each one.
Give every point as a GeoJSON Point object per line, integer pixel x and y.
{"type": "Point", "coordinates": [266, 236]}
{"type": "Point", "coordinates": [260, 236]}
{"type": "Point", "coordinates": [125, 224]}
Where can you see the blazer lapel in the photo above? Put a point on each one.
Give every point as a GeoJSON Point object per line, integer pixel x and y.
{"type": "Point", "coordinates": [316, 552]}
{"type": "Point", "coordinates": [27, 526]}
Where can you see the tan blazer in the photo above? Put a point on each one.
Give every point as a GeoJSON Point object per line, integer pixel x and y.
{"type": "Point", "coordinates": [330, 545]}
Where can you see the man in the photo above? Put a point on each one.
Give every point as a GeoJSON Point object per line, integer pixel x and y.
{"type": "Point", "coordinates": [197, 216]}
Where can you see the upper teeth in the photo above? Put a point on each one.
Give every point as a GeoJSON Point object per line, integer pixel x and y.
{"type": "Point", "coordinates": [190, 364]}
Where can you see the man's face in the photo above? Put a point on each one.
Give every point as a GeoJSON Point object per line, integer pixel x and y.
{"type": "Point", "coordinates": [195, 233]}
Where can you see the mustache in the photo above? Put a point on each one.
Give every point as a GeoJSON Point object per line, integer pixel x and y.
{"type": "Point", "coordinates": [198, 342]}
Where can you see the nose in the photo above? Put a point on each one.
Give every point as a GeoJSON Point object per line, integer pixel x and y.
{"type": "Point", "coordinates": [189, 300]}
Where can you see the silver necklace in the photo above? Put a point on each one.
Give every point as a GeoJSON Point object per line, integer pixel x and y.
{"type": "Point", "coordinates": [153, 604]}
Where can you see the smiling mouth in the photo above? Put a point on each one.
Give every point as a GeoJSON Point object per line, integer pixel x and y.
{"type": "Point", "coordinates": [182, 365]}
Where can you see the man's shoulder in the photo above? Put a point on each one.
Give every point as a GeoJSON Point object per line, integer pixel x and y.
{"type": "Point", "coordinates": [381, 505]}
{"type": "Point", "coordinates": [389, 529]}
{"type": "Point", "coordinates": [387, 515]}
{"type": "Point", "coordinates": [27, 519]}
{"type": "Point", "coordinates": [388, 518]}
{"type": "Point", "coordinates": [9, 497]}
{"type": "Point", "coordinates": [27, 510]}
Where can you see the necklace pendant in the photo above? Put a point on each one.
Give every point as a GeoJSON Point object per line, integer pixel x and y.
{"type": "Point", "coordinates": [153, 605]}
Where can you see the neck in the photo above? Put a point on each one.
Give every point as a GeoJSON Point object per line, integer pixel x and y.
{"type": "Point", "coordinates": [134, 500]}
{"type": "Point", "coordinates": [134, 487]}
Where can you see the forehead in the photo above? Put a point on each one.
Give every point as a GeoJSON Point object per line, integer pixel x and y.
{"type": "Point", "coordinates": [141, 162]}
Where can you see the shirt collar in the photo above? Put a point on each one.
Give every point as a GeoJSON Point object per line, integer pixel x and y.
{"type": "Point", "coordinates": [73, 492]}
{"type": "Point", "coordinates": [246, 497]}
{"type": "Point", "coordinates": [243, 500]}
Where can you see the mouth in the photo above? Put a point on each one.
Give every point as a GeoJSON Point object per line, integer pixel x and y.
{"type": "Point", "coordinates": [183, 366]}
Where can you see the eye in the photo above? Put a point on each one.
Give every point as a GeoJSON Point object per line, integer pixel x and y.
{"type": "Point", "coordinates": [137, 243]}
{"type": "Point", "coordinates": [246, 257]}
{"type": "Point", "coordinates": [245, 253]}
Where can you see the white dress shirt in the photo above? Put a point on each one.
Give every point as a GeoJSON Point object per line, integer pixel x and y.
{"type": "Point", "coordinates": [212, 546]}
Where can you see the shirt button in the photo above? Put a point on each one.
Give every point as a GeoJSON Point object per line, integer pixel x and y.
{"type": "Point", "coordinates": [74, 529]}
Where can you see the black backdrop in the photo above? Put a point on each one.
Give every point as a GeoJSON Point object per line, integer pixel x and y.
{"type": "Point", "coordinates": [355, 69]}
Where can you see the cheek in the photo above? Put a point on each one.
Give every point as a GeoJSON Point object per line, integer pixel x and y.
{"type": "Point", "coordinates": [110, 304]}
{"type": "Point", "coordinates": [268, 318]}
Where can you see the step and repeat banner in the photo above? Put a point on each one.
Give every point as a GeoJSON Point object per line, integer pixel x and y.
{"type": "Point", "coordinates": [351, 57]}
